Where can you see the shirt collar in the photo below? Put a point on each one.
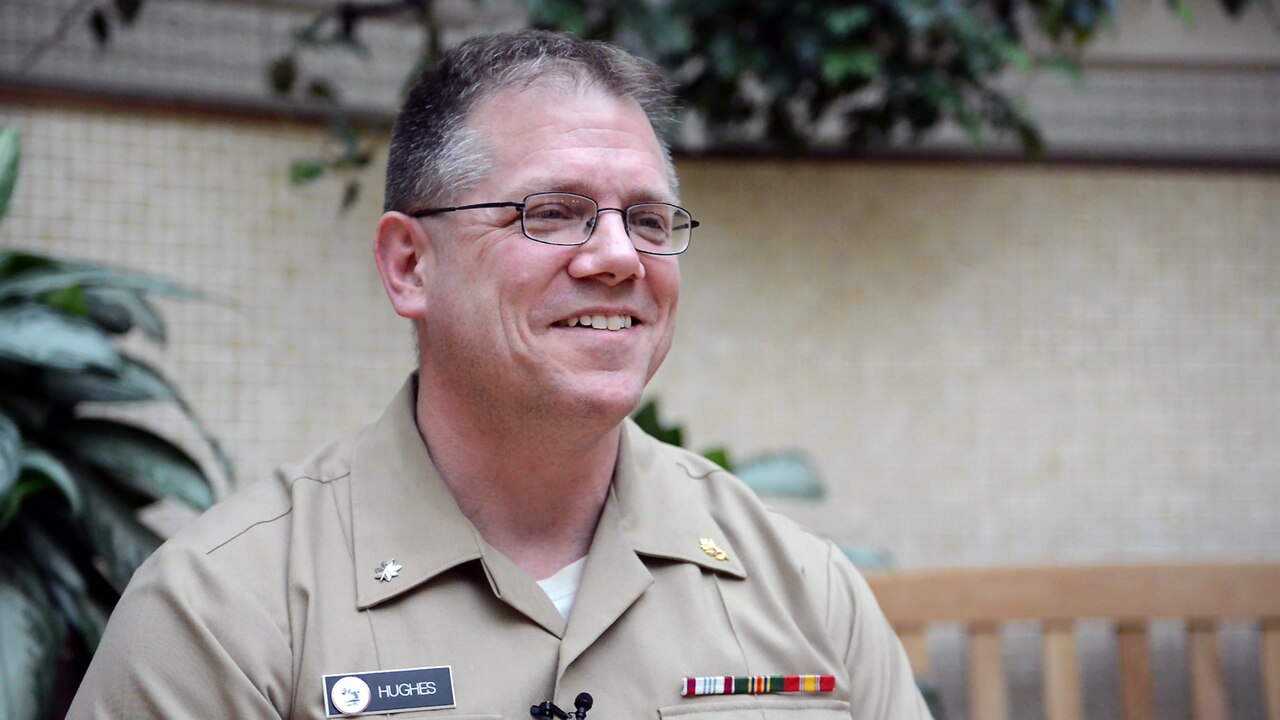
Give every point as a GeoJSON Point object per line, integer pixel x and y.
{"type": "Point", "coordinates": [662, 505]}
{"type": "Point", "coordinates": [400, 507]}
{"type": "Point", "coordinates": [402, 510]}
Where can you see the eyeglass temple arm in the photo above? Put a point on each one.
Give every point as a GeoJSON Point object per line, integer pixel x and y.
{"type": "Point", "coordinates": [479, 206]}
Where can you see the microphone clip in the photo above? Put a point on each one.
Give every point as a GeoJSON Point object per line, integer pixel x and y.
{"type": "Point", "coordinates": [548, 709]}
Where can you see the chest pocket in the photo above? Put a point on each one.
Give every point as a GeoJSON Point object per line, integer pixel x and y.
{"type": "Point", "coordinates": [424, 714]}
{"type": "Point", "coordinates": [765, 707]}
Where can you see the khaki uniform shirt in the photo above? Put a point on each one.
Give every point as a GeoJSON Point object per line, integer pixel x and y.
{"type": "Point", "coordinates": [242, 613]}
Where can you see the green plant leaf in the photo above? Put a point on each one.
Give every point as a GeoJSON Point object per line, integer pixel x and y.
{"type": "Point", "coordinates": [128, 10]}
{"type": "Point", "coordinates": [10, 154]}
{"type": "Point", "coordinates": [847, 20]}
{"type": "Point", "coordinates": [31, 412]}
{"type": "Point", "coordinates": [100, 27]}
{"type": "Point", "coordinates": [10, 454]}
{"type": "Point", "coordinates": [355, 158]}
{"type": "Point", "coordinates": [11, 503]}
{"type": "Point", "coordinates": [647, 418]}
{"type": "Point", "coordinates": [52, 560]}
{"type": "Point", "coordinates": [783, 475]}
{"type": "Point", "coordinates": [952, 99]}
{"type": "Point", "coordinates": [1064, 65]}
{"type": "Point", "coordinates": [64, 580]}
{"type": "Point", "coordinates": [140, 460]}
{"type": "Point", "coordinates": [564, 15]}
{"type": "Point", "coordinates": [31, 634]}
{"type": "Point", "coordinates": [843, 64]}
{"type": "Point", "coordinates": [1015, 56]}
{"type": "Point", "coordinates": [38, 284]}
{"type": "Point", "coordinates": [346, 136]}
{"type": "Point", "coordinates": [39, 471]}
{"type": "Point", "coordinates": [350, 194]}
{"type": "Point", "coordinates": [85, 614]}
{"type": "Point", "coordinates": [322, 35]}
{"type": "Point", "coordinates": [302, 172]}
{"type": "Point", "coordinates": [112, 526]}
{"type": "Point", "coordinates": [119, 311]}
{"type": "Point", "coordinates": [322, 90]}
{"type": "Point", "coordinates": [134, 382]}
{"type": "Point", "coordinates": [282, 74]}
{"type": "Point", "coordinates": [40, 462]}
{"type": "Point", "coordinates": [1182, 9]}
{"type": "Point", "coordinates": [44, 337]}
{"type": "Point", "coordinates": [112, 308]}
{"type": "Point", "coordinates": [13, 263]}
{"type": "Point", "coordinates": [69, 300]}
{"type": "Point", "coordinates": [719, 456]}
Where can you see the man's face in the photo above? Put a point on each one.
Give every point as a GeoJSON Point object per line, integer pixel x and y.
{"type": "Point", "coordinates": [499, 304]}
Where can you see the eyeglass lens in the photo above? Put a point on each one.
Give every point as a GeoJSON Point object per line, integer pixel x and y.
{"type": "Point", "coordinates": [567, 219]}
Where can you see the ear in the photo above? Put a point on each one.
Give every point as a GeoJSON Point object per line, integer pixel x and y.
{"type": "Point", "coordinates": [405, 255]}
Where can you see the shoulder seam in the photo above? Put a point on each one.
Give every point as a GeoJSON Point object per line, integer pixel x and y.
{"type": "Point", "coordinates": [318, 479]}
{"type": "Point", "coordinates": [323, 481]}
{"type": "Point", "coordinates": [704, 476]}
{"type": "Point", "coordinates": [215, 548]}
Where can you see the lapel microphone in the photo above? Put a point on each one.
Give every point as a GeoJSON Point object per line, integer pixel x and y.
{"type": "Point", "coordinates": [548, 709]}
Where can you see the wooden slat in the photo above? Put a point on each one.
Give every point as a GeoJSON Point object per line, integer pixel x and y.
{"type": "Point", "coordinates": [988, 689]}
{"type": "Point", "coordinates": [1137, 592]}
{"type": "Point", "coordinates": [984, 599]}
{"type": "Point", "coordinates": [1063, 698]}
{"type": "Point", "coordinates": [1208, 693]}
{"type": "Point", "coordinates": [1136, 689]}
{"type": "Point", "coordinates": [1271, 665]}
{"type": "Point", "coordinates": [917, 647]}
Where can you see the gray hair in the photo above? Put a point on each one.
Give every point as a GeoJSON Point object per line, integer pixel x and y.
{"type": "Point", "coordinates": [435, 154]}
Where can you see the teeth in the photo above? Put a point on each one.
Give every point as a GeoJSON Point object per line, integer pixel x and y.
{"type": "Point", "coordinates": [601, 322]}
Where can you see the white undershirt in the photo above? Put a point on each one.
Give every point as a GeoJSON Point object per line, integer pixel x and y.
{"type": "Point", "coordinates": [562, 587]}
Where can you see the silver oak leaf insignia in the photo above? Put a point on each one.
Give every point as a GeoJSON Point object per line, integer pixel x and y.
{"type": "Point", "coordinates": [388, 570]}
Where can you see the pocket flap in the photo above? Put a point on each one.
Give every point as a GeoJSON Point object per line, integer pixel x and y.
{"type": "Point", "coordinates": [765, 706]}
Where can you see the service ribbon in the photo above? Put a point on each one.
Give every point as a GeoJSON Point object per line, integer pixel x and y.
{"type": "Point", "coordinates": [757, 684]}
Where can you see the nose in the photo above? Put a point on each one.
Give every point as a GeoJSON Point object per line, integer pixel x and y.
{"type": "Point", "coordinates": [608, 254]}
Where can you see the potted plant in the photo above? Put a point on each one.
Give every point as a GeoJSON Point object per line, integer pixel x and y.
{"type": "Point", "coordinates": [71, 484]}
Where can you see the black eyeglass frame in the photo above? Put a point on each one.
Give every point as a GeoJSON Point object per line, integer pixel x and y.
{"type": "Point", "coordinates": [524, 203]}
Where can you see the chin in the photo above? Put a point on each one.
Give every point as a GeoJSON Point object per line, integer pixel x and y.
{"type": "Point", "coordinates": [610, 400]}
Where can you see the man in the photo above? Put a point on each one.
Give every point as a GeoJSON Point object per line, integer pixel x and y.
{"type": "Point", "coordinates": [503, 539]}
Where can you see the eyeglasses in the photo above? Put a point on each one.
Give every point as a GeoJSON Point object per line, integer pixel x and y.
{"type": "Point", "coordinates": [556, 218]}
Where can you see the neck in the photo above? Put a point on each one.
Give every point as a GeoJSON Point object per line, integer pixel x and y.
{"type": "Point", "coordinates": [533, 488]}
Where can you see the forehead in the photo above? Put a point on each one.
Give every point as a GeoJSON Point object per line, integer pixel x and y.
{"type": "Point", "coordinates": [581, 140]}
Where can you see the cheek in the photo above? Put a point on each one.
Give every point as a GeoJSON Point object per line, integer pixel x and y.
{"type": "Point", "coordinates": [664, 279]}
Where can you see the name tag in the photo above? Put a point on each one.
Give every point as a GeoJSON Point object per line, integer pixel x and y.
{"type": "Point", "coordinates": [388, 691]}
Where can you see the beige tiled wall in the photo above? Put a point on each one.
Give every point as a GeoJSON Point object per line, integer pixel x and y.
{"type": "Point", "coordinates": [307, 347]}
{"type": "Point", "coordinates": [996, 364]}
{"type": "Point", "coordinates": [989, 364]}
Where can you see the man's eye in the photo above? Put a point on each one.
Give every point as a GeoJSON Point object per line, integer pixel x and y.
{"type": "Point", "coordinates": [649, 221]}
{"type": "Point", "coordinates": [550, 212]}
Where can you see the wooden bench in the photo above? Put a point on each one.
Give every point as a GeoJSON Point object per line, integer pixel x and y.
{"type": "Point", "coordinates": [982, 600]}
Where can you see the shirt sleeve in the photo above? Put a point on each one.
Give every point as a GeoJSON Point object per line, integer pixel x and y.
{"type": "Point", "coordinates": [173, 648]}
{"type": "Point", "coordinates": [882, 684]}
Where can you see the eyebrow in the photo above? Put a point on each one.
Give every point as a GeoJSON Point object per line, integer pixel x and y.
{"type": "Point", "coordinates": [647, 195]}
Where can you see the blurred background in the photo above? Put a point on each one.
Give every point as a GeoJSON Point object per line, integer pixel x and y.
{"type": "Point", "coordinates": [991, 352]}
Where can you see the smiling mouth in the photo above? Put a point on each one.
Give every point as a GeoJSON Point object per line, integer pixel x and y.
{"type": "Point", "coordinates": [599, 322]}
